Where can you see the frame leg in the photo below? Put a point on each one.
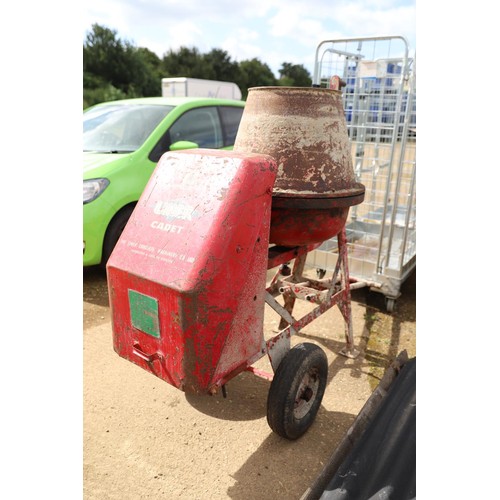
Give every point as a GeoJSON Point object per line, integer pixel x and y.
{"type": "Point", "coordinates": [298, 269]}
{"type": "Point", "coordinates": [344, 303]}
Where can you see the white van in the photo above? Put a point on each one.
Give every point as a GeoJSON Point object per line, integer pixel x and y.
{"type": "Point", "coordinates": [194, 87]}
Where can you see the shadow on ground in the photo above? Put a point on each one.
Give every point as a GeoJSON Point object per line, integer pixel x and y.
{"type": "Point", "coordinates": [285, 469]}
{"type": "Point", "coordinates": [290, 467]}
{"type": "Point", "coordinates": [95, 286]}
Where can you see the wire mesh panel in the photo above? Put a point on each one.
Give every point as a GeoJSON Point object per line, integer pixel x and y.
{"type": "Point", "coordinates": [378, 83]}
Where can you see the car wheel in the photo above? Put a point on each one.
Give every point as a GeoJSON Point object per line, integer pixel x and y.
{"type": "Point", "coordinates": [114, 231]}
{"type": "Point", "coordinates": [297, 390]}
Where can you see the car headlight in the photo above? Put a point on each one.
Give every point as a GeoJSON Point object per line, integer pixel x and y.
{"type": "Point", "coordinates": [93, 188]}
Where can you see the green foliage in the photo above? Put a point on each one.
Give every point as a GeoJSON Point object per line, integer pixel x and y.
{"type": "Point", "coordinates": [294, 75]}
{"type": "Point", "coordinates": [145, 66]}
{"type": "Point", "coordinates": [221, 67]}
{"type": "Point", "coordinates": [105, 56]}
{"type": "Point", "coordinates": [185, 62]}
{"type": "Point", "coordinates": [104, 93]}
{"type": "Point", "coordinates": [116, 69]}
{"type": "Point", "coordinates": [255, 74]}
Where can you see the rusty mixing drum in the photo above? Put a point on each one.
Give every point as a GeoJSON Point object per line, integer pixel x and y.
{"type": "Point", "coordinates": [304, 130]}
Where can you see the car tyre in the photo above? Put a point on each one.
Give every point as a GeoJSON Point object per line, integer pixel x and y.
{"type": "Point", "coordinates": [114, 231]}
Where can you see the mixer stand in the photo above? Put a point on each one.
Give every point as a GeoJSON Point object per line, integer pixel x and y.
{"type": "Point", "coordinates": [325, 292]}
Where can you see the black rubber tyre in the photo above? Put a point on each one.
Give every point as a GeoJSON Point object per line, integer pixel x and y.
{"type": "Point", "coordinates": [389, 304]}
{"type": "Point", "coordinates": [297, 390]}
{"type": "Point", "coordinates": [113, 232]}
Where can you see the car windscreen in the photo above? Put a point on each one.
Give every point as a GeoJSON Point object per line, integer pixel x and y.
{"type": "Point", "coordinates": [120, 128]}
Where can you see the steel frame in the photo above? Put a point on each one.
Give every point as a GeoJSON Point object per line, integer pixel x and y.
{"type": "Point", "coordinates": [325, 292]}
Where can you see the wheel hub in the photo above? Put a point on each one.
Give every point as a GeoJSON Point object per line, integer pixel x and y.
{"type": "Point", "coordinates": [306, 395]}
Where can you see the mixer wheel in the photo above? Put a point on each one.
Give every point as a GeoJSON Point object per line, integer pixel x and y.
{"type": "Point", "coordinates": [297, 390]}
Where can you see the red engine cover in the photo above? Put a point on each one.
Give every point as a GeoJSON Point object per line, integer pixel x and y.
{"type": "Point", "coordinates": [187, 277]}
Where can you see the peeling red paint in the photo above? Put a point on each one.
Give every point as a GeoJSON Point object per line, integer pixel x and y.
{"type": "Point", "coordinates": [207, 328]}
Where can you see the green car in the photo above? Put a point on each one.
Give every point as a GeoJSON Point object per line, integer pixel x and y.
{"type": "Point", "coordinates": [122, 143]}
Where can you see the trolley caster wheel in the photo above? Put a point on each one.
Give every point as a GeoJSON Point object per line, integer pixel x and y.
{"type": "Point", "coordinates": [297, 390]}
{"type": "Point", "coordinates": [285, 270]}
{"type": "Point", "coordinates": [389, 304]}
{"type": "Point", "coordinates": [320, 273]}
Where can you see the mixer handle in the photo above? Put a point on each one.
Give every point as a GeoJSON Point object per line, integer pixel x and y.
{"type": "Point", "coordinates": [336, 83]}
{"type": "Point", "coordinates": [149, 358]}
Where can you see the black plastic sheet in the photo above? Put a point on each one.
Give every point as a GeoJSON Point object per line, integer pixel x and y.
{"type": "Point", "coordinates": [382, 464]}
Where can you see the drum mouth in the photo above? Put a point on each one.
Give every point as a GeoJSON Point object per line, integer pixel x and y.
{"type": "Point", "coordinates": [313, 201]}
{"type": "Point", "coordinates": [294, 90]}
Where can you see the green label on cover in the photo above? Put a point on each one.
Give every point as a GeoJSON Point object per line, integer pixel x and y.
{"type": "Point", "coordinates": [144, 313]}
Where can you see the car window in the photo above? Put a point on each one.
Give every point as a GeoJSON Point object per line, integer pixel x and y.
{"type": "Point", "coordinates": [200, 125]}
{"type": "Point", "coordinates": [120, 128]}
{"type": "Point", "coordinates": [230, 117]}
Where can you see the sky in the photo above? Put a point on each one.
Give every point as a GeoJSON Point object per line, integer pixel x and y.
{"type": "Point", "coordinates": [273, 31]}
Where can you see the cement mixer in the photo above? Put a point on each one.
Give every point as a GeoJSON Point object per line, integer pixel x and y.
{"type": "Point", "coordinates": [187, 278]}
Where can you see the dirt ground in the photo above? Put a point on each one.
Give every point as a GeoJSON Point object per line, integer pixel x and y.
{"type": "Point", "coordinates": [144, 439]}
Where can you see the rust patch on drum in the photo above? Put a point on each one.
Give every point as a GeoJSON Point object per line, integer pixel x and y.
{"type": "Point", "coordinates": [304, 130]}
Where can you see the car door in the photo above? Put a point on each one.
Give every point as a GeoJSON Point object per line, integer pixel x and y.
{"type": "Point", "coordinates": [230, 117]}
{"type": "Point", "coordinates": [198, 125]}
{"type": "Point", "coordinates": [211, 127]}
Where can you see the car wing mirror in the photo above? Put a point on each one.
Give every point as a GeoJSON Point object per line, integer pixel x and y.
{"type": "Point", "coordinates": [177, 146]}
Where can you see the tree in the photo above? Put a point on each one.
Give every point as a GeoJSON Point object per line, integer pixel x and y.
{"type": "Point", "coordinates": [255, 73]}
{"type": "Point", "coordinates": [144, 72]}
{"type": "Point", "coordinates": [152, 75]}
{"type": "Point", "coordinates": [103, 93]}
{"type": "Point", "coordinates": [294, 75]}
{"type": "Point", "coordinates": [220, 66]}
{"type": "Point", "coordinates": [104, 55]}
{"type": "Point", "coordinates": [115, 69]}
{"type": "Point", "coordinates": [185, 62]}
